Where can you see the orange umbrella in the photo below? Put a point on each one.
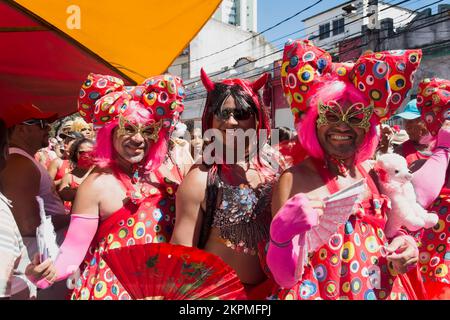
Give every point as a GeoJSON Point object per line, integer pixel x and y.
{"type": "Point", "coordinates": [49, 47]}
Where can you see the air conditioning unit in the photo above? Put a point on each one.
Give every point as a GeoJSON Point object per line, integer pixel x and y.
{"type": "Point", "coordinates": [350, 15]}
{"type": "Point", "coordinates": [351, 10]}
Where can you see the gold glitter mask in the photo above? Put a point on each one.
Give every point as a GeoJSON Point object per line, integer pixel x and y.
{"type": "Point", "coordinates": [149, 131]}
{"type": "Point", "coordinates": [357, 115]}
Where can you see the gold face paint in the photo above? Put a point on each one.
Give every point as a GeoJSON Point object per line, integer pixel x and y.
{"type": "Point", "coordinates": [127, 128]}
{"type": "Point", "coordinates": [357, 115]}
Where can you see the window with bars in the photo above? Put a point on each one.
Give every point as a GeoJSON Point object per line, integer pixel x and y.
{"type": "Point", "coordinates": [324, 31]}
{"type": "Point", "coordinates": [338, 26]}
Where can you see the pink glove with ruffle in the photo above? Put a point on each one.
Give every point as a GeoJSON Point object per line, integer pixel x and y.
{"type": "Point", "coordinates": [290, 223]}
{"type": "Point", "coordinates": [430, 178]}
{"type": "Point", "coordinates": [81, 231]}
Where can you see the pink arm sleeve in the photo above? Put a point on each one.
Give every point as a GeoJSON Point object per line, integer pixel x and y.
{"type": "Point", "coordinates": [292, 220]}
{"type": "Point", "coordinates": [430, 178]}
{"type": "Point", "coordinates": [282, 262]}
{"type": "Point", "coordinates": [81, 231]}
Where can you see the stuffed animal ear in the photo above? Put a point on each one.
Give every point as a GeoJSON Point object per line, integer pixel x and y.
{"type": "Point", "coordinates": [382, 174]}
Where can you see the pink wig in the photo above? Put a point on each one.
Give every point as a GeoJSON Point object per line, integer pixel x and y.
{"type": "Point", "coordinates": [104, 153]}
{"type": "Point", "coordinates": [335, 91]}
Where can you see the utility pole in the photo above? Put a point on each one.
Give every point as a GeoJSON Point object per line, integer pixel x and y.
{"type": "Point", "coordinates": [373, 27]}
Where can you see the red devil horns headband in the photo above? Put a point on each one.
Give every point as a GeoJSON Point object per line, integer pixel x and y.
{"type": "Point", "coordinates": [250, 87]}
{"type": "Point", "coordinates": [254, 86]}
{"type": "Point", "coordinates": [207, 82]}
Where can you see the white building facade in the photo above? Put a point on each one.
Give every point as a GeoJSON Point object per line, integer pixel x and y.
{"type": "Point", "coordinates": [328, 28]}
{"type": "Point", "coordinates": [239, 13]}
{"type": "Point", "coordinates": [226, 47]}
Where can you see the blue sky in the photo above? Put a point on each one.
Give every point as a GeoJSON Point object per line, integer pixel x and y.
{"type": "Point", "coordinates": [271, 12]}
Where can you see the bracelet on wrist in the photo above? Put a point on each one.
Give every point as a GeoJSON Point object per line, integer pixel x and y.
{"type": "Point", "coordinates": [281, 244]}
{"type": "Point", "coordinates": [442, 147]}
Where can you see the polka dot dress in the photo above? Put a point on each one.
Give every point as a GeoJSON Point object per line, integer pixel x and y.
{"type": "Point", "coordinates": [348, 267]}
{"type": "Point", "coordinates": [151, 221]}
{"type": "Point", "coordinates": [434, 247]}
{"type": "Point", "coordinates": [351, 265]}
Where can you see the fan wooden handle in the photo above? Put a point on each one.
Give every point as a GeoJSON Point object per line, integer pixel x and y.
{"type": "Point", "coordinates": [302, 256]}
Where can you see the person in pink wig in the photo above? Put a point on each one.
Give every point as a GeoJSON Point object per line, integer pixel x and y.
{"type": "Point", "coordinates": [129, 198]}
{"type": "Point", "coordinates": [432, 186]}
{"type": "Point", "coordinates": [336, 107]}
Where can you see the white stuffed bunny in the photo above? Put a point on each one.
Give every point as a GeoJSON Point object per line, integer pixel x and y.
{"type": "Point", "coordinates": [395, 182]}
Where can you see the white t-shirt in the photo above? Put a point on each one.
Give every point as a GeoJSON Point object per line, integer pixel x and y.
{"type": "Point", "coordinates": [13, 253]}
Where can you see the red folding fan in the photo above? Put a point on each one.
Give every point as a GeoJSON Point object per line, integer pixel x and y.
{"type": "Point", "coordinates": [157, 271]}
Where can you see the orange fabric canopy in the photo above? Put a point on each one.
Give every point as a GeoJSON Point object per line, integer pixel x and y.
{"type": "Point", "coordinates": [49, 47]}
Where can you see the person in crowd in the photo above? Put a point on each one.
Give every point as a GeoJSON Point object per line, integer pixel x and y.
{"type": "Point", "coordinates": [60, 166]}
{"type": "Point", "coordinates": [196, 141]}
{"type": "Point", "coordinates": [224, 207]}
{"type": "Point", "coordinates": [337, 108]}
{"type": "Point", "coordinates": [84, 128]}
{"type": "Point", "coordinates": [414, 149]}
{"type": "Point", "coordinates": [386, 133]}
{"type": "Point", "coordinates": [432, 185]}
{"type": "Point", "coordinates": [80, 157]}
{"type": "Point", "coordinates": [130, 197]}
{"type": "Point", "coordinates": [65, 127]}
{"type": "Point", "coordinates": [289, 146]}
{"type": "Point", "coordinates": [24, 178]}
{"type": "Point", "coordinates": [400, 136]}
{"type": "Point", "coordinates": [46, 155]}
{"type": "Point", "coordinates": [14, 256]}
{"type": "Point", "coordinates": [284, 134]}
{"type": "Point", "coordinates": [179, 154]}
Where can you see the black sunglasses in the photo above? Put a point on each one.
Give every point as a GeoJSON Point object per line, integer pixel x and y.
{"type": "Point", "coordinates": [42, 123]}
{"type": "Point", "coordinates": [238, 114]}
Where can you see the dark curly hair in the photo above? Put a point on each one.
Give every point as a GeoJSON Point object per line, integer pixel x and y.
{"type": "Point", "coordinates": [76, 146]}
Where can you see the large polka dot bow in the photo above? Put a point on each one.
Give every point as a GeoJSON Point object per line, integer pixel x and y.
{"type": "Point", "coordinates": [103, 98]}
{"type": "Point", "coordinates": [384, 77]}
{"type": "Point", "coordinates": [433, 100]}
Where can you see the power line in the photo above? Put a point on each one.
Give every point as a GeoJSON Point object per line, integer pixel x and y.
{"type": "Point", "coordinates": [302, 29]}
{"type": "Point", "coordinates": [331, 45]}
{"type": "Point", "coordinates": [257, 34]}
{"type": "Point", "coordinates": [430, 46]}
{"type": "Point", "coordinates": [346, 24]}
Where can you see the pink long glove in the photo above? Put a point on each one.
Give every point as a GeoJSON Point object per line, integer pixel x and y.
{"type": "Point", "coordinates": [290, 223]}
{"type": "Point", "coordinates": [81, 231]}
{"type": "Point", "coordinates": [430, 178]}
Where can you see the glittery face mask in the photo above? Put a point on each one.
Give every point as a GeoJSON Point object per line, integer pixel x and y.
{"type": "Point", "coordinates": [148, 131]}
{"type": "Point", "coordinates": [357, 115]}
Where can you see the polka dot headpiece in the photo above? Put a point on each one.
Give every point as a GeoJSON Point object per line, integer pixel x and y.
{"type": "Point", "coordinates": [433, 101]}
{"type": "Point", "coordinates": [384, 77]}
{"type": "Point", "coordinates": [103, 98]}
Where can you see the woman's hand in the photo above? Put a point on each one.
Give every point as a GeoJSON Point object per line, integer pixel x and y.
{"type": "Point", "coordinates": [36, 271]}
{"type": "Point", "coordinates": [403, 253]}
{"type": "Point", "coordinates": [299, 214]}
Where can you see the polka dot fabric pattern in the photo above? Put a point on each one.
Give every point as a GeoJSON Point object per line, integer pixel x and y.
{"type": "Point", "coordinates": [433, 100]}
{"type": "Point", "coordinates": [348, 267]}
{"type": "Point", "coordinates": [434, 244]}
{"type": "Point", "coordinates": [384, 77]}
{"type": "Point", "coordinates": [152, 221]}
{"type": "Point", "coordinates": [103, 98]}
